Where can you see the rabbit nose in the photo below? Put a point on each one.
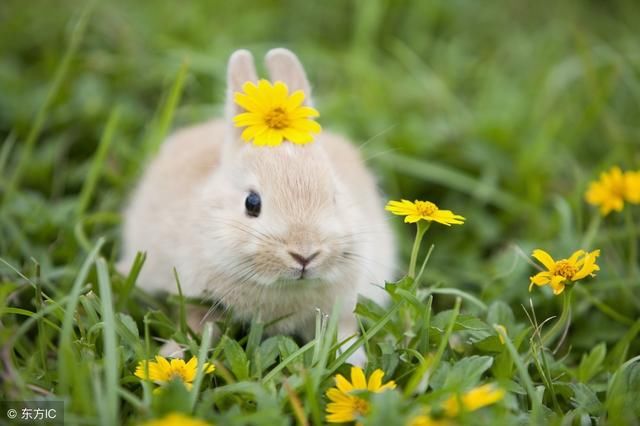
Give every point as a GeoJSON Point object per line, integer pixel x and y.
{"type": "Point", "coordinates": [303, 261]}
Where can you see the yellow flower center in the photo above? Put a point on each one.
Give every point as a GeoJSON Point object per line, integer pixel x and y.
{"type": "Point", "coordinates": [277, 118]}
{"type": "Point", "coordinates": [426, 208]}
{"type": "Point", "coordinates": [565, 269]}
{"type": "Point", "coordinates": [360, 406]}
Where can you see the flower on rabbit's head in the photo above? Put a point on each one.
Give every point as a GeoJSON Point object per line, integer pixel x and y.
{"type": "Point", "coordinates": [161, 371]}
{"type": "Point", "coordinates": [580, 265]}
{"type": "Point", "coordinates": [344, 406]}
{"type": "Point", "coordinates": [423, 210]}
{"type": "Point", "coordinates": [613, 189]}
{"type": "Point", "coordinates": [273, 115]}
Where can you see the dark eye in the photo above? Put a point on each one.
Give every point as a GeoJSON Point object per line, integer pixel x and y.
{"type": "Point", "coordinates": [253, 203]}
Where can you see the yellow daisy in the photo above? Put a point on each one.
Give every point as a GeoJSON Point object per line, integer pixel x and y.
{"type": "Point", "coordinates": [161, 371]}
{"type": "Point", "coordinates": [632, 187]}
{"type": "Point", "coordinates": [474, 399]}
{"type": "Point", "coordinates": [423, 210]}
{"type": "Point", "coordinates": [176, 419]}
{"type": "Point", "coordinates": [580, 265]}
{"type": "Point", "coordinates": [273, 115]}
{"type": "Point", "coordinates": [613, 189]}
{"type": "Point", "coordinates": [345, 407]}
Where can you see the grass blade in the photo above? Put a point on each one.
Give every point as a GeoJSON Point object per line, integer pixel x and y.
{"type": "Point", "coordinates": [65, 345]}
{"type": "Point", "coordinates": [110, 341]}
{"type": "Point", "coordinates": [98, 162]}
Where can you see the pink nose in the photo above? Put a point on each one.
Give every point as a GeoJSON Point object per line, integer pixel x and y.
{"type": "Point", "coordinates": [303, 261]}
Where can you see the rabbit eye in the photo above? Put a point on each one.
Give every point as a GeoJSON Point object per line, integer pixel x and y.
{"type": "Point", "coordinates": [252, 204]}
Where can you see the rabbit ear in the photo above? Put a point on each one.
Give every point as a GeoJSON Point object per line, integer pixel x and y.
{"type": "Point", "coordinates": [283, 65]}
{"type": "Point", "coordinates": [239, 70]}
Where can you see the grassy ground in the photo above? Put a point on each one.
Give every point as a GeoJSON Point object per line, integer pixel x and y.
{"type": "Point", "coordinates": [500, 112]}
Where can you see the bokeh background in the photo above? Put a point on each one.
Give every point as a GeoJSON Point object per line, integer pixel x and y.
{"type": "Point", "coordinates": [500, 111]}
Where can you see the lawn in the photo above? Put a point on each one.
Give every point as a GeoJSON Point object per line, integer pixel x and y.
{"type": "Point", "coordinates": [503, 112]}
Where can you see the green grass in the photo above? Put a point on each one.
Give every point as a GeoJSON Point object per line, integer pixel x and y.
{"type": "Point", "coordinates": [502, 112]}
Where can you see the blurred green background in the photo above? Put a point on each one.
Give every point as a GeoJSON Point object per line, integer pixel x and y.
{"type": "Point", "coordinates": [500, 111]}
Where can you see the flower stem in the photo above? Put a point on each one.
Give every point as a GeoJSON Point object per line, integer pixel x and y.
{"type": "Point", "coordinates": [422, 229]}
{"type": "Point", "coordinates": [563, 321]}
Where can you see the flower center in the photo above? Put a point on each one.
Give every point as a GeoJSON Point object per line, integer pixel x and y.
{"type": "Point", "coordinates": [277, 118]}
{"type": "Point", "coordinates": [426, 208]}
{"type": "Point", "coordinates": [565, 269]}
{"type": "Point", "coordinates": [360, 406]}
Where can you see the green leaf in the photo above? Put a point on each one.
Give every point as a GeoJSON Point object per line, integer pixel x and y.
{"type": "Point", "coordinates": [237, 359]}
{"type": "Point", "coordinates": [467, 372]}
{"type": "Point", "coordinates": [622, 393]}
{"type": "Point", "coordinates": [585, 399]}
{"type": "Point", "coordinates": [591, 364]}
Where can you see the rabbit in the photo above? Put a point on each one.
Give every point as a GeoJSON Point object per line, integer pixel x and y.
{"type": "Point", "coordinates": [320, 237]}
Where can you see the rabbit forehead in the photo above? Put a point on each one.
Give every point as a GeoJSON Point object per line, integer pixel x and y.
{"type": "Point", "coordinates": [293, 176]}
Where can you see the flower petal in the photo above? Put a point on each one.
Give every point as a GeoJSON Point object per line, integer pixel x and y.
{"type": "Point", "coordinates": [544, 258]}
{"type": "Point", "coordinates": [296, 136]}
{"type": "Point", "coordinates": [557, 284]}
{"type": "Point", "coordinates": [306, 125]}
{"type": "Point", "coordinates": [357, 378]}
{"type": "Point", "coordinates": [588, 267]}
{"type": "Point", "coordinates": [539, 279]}
{"type": "Point", "coordinates": [248, 119]}
{"type": "Point", "coordinates": [375, 380]}
{"type": "Point", "coordinates": [336, 395]}
{"type": "Point", "coordinates": [294, 101]}
{"type": "Point", "coordinates": [343, 384]}
{"type": "Point", "coordinates": [303, 112]}
{"type": "Point", "coordinates": [253, 132]}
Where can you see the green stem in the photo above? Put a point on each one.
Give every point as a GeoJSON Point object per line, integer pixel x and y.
{"type": "Point", "coordinates": [563, 321]}
{"type": "Point", "coordinates": [423, 226]}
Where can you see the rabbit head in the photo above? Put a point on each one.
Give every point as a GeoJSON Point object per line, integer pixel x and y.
{"type": "Point", "coordinates": [280, 215]}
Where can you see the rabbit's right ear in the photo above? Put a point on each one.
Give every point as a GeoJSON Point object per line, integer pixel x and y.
{"type": "Point", "coordinates": [239, 70]}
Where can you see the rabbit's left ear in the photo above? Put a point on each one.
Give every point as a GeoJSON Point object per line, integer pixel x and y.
{"type": "Point", "coordinates": [283, 65]}
{"type": "Point", "coordinates": [240, 70]}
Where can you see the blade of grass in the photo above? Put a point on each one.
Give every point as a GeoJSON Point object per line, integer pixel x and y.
{"type": "Point", "coordinates": [429, 365]}
{"type": "Point", "coordinates": [110, 341]}
{"type": "Point", "coordinates": [524, 375]}
{"type": "Point", "coordinates": [66, 354]}
{"type": "Point", "coordinates": [162, 122]}
{"type": "Point", "coordinates": [207, 334]}
{"type": "Point", "coordinates": [89, 186]}
{"type": "Point", "coordinates": [288, 360]}
{"type": "Point", "coordinates": [455, 292]}
{"type": "Point", "coordinates": [365, 337]}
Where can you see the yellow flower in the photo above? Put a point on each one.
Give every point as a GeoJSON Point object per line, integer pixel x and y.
{"type": "Point", "coordinates": [423, 210]}
{"type": "Point", "coordinates": [580, 265]}
{"type": "Point", "coordinates": [176, 419]}
{"type": "Point", "coordinates": [345, 407]}
{"type": "Point", "coordinates": [424, 420]}
{"type": "Point", "coordinates": [613, 189]}
{"type": "Point", "coordinates": [162, 371]}
{"type": "Point", "coordinates": [273, 115]}
{"type": "Point", "coordinates": [632, 187]}
{"type": "Point", "coordinates": [473, 400]}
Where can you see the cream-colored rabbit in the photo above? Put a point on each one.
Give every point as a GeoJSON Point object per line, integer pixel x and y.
{"type": "Point", "coordinates": [268, 232]}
